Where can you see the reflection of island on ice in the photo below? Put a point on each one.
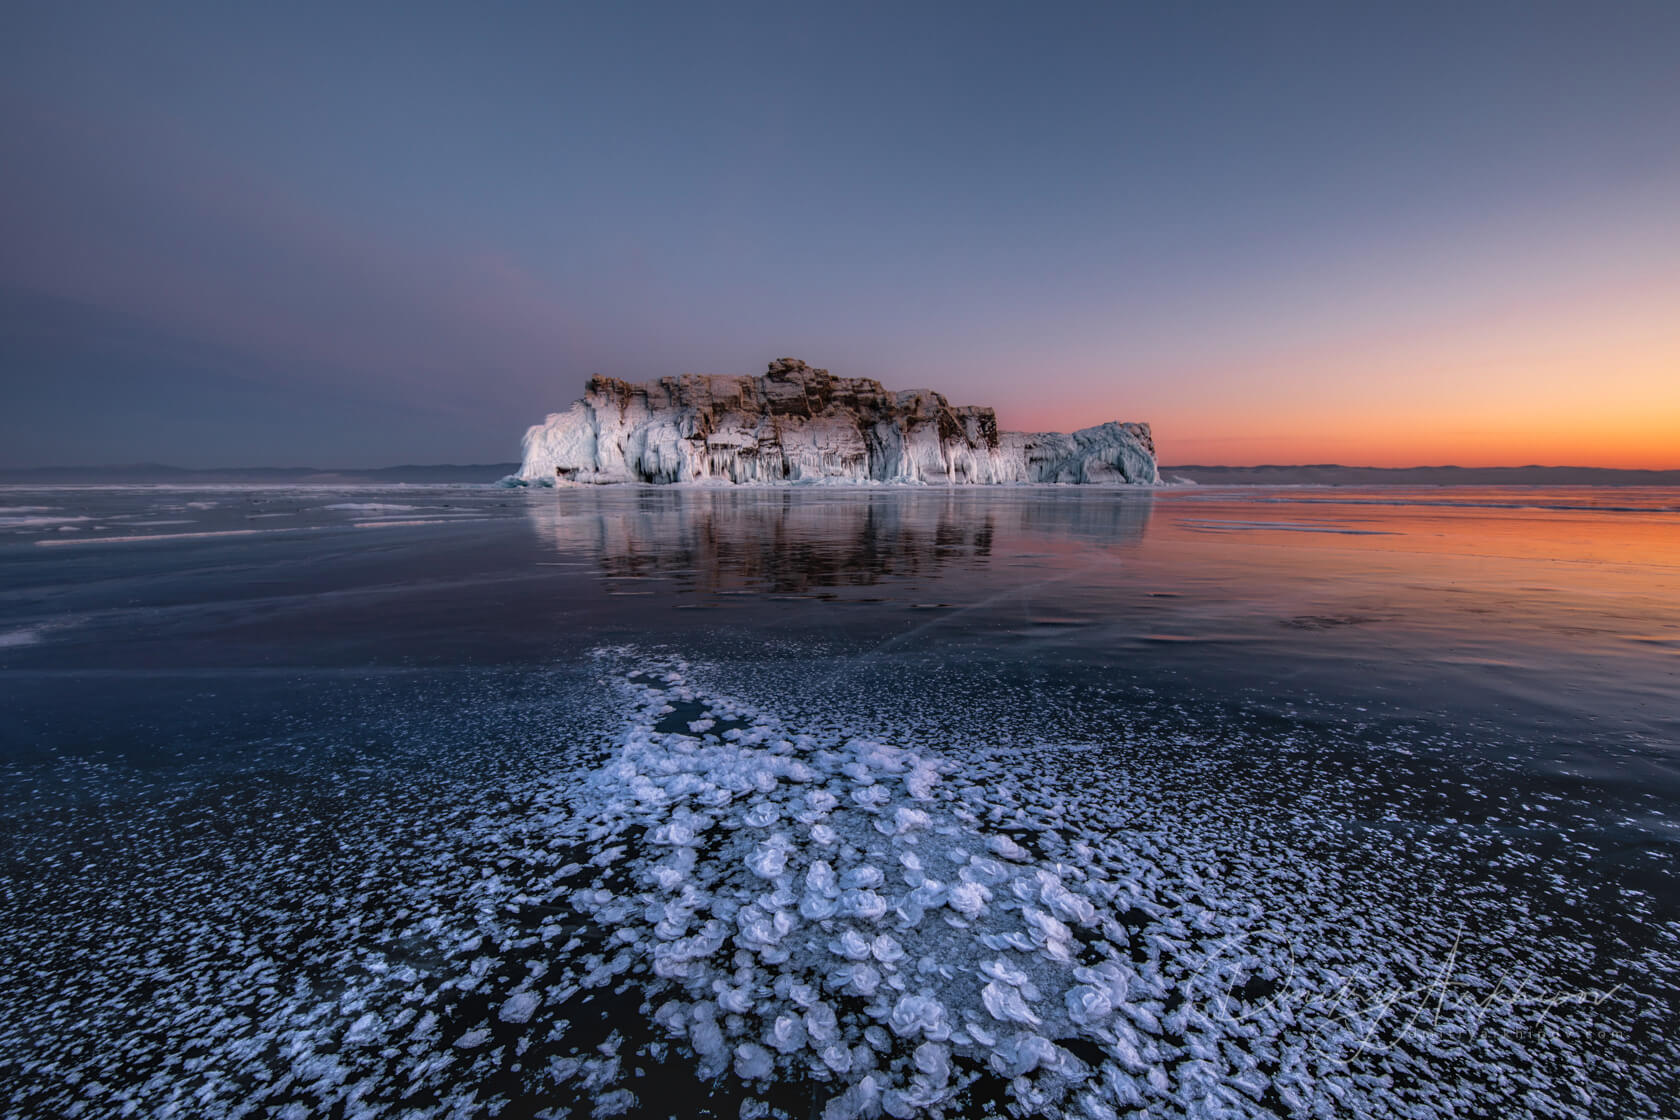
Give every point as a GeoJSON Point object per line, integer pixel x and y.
{"type": "Point", "coordinates": [794, 541]}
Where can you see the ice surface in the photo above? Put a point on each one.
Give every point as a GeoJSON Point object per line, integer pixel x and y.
{"type": "Point", "coordinates": [370, 507]}
{"type": "Point", "coordinates": [677, 919]}
{"type": "Point", "coordinates": [991, 955]}
{"type": "Point", "coordinates": [24, 636]}
{"type": "Point", "coordinates": [40, 521]}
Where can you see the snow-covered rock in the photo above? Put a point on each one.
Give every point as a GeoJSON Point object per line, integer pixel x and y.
{"type": "Point", "coordinates": [799, 424]}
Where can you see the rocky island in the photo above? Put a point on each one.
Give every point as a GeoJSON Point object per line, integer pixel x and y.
{"type": "Point", "coordinates": [800, 424]}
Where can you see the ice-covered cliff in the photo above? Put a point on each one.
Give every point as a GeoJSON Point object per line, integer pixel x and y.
{"type": "Point", "coordinates": [799, 424]}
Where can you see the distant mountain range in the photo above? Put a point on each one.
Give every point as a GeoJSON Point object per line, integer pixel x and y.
{"type": "Point", "coordinates": [1318, 474]}
{"type": "Point", "coordinates": [161, 473]}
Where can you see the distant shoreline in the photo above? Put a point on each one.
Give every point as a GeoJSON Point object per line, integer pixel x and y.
{"type": "Point", "coordinates": [1335, 475]}
{"type": "Point", "coordinates": [1203, 475]}
{"type": "Point", "coordinates": [158, 472]}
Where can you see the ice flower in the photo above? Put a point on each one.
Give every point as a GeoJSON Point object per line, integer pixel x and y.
{"type": "Point", "coordinates": [919, 1014]}
{"type": "Point", "coordinates": [929, 892]}
{"type": "Point", "coordinates": [1054, 937]}
{"type": "Point", "coordinates": [920, 781]}
{"type": "Point", "coordinates": [677, 832]}
{"type": "Point", "coordinates": [1004, 973]}
{"type": "Point", "coordinates": [768, 859]}
{"type": "Point", "coordinates": [737, 1000]}
{"type": "Point", "coordinates": [762, 815]}
{"type": "Point", "coordinates": [934, 1062]}
{"type": "Point", "coordinates": [668, 878]}
{"type": "Point", "coordinates": [1023, 1053]}
{"type": "Point", "coordinates": [871, 797]}
{"type": "Point", "coordinates": [906, 819]}
{"type": "Point", "coordinates": [706, 1038]}
{"type": "Point", "coordinates": [969, 899]}
{"type": "Point", "coordinates": [1087, 1004]}
{"type": "Point", "coordinates": [819, 877]}
{"type": "Point", "coordinates": [864, 979]}
{"type": "Point", "coordinates": [852, 945]}
{"type": "Point", "coordinates": [1006, 847]}
{"type": "Point", "coordinates": [1006, 1005]}
{"type": "Point", "coordinates": [864, 904]}
{"type": "Point", "coordinates": [753, 1062]}
{"type": "Point", "coordinates": [886, 949]}
{"type": "Point", "coordinates": [836, 1057]}
{"type": "Point", "coordinates": [821, 1023]}
{"type": "Point", "coordinates": [787, 1034]}
{"type": "Point", "coordinates": [815, 907]}
{"type": "Point", "coordinates": [760, 930]}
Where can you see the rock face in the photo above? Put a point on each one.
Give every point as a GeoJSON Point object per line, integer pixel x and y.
{"type": "Point", "coordinates": [799, 424]}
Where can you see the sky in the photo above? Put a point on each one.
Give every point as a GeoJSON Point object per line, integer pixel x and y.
{"type": "Point", "coordinates": [362, 234]}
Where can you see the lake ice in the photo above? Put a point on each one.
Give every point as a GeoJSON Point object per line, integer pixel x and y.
{"type": "Point", "coordinates": [448, 801]}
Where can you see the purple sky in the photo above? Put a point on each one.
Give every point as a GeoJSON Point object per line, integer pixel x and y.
{"type": "Point", "coordinates": [361, 235]}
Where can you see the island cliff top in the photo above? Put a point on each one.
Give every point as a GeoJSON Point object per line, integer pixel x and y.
{"type": "Point", "coordinates": [789, 387]}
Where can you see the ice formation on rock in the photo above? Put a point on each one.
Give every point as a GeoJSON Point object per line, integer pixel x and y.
{"type": "Point", "coordinates": [799, 424]}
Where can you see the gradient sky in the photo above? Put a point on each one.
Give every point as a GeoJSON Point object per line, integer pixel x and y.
{"type": "Point", "coordinates": [364, 234]}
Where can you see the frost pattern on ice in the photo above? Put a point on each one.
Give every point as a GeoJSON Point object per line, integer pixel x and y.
{"type": "Point", "coordinates": [840, 912]}
{"type": "Point", "coordinates": [905, 935]}
{"type": "Point", "coordinates": [718, 906]}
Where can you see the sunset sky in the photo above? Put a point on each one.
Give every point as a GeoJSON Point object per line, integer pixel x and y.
{"type": "Point", "coordinates": [359, 235]}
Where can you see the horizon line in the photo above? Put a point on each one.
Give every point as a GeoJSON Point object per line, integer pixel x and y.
{"type": "Point", "coordinates": [155, 466]}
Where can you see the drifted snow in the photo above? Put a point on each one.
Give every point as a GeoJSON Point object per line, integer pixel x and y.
{"type": "Point", "coordinates": [799, 424]}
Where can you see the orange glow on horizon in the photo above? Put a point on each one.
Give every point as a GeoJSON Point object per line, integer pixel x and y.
{"type": "Point", "coordinates": [1587, 387]}
{"type": "Point", "coordinates": [1616, 434]}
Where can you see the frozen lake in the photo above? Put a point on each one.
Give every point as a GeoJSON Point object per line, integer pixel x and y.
{"type": "Point", "coordinates": [439, 800]}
